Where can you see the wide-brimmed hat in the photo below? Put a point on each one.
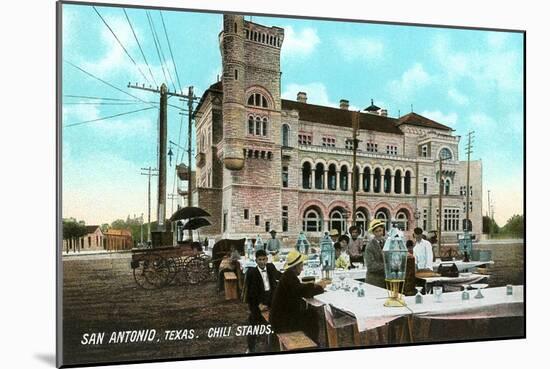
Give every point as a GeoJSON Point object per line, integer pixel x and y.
{"type": "Point", "coordinates": [294, 258]}
{"type": "Point", "coordinates": [272, 231]}
{"type": "Point", "coordinates": [334, 232]}
{"type": "Point", "coordinates": [375, 223]}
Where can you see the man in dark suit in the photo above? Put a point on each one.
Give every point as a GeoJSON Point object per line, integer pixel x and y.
{"type": "Point", "coordinates": [260, 284]}
{"type": "Point", "coordinates": [288, 313]}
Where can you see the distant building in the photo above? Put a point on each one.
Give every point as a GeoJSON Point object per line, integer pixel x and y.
{"type": "Point", "coordinates": [118, 239]}
{"type": "Point", "coordinates": [264, 162]}
{"type": "Point", "coordinates": [93, 240]}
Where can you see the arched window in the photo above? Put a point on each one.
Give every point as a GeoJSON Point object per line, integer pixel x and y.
{"type": "Point", "coordinates": [366, 179]}
{"type": "Point", "coordinates": [447, 186]}
{"type": "Point", "coordinates": [258, 100]}
{"type": "Point", "coordinates": [306, 175]}
{"type": "Point", "coordinates": [445, 153]}
{"type": "Point", "coordinates": [332, 177]}
{"type": "Point", "coordinates": [235, 27]}
{"type": "Point", "coordinates": [361, 220]}
{"type": "Point", "coordinates": [402, 220]}
{"type": "Point", "coordinates": [356, 178]}
{"type": "Point", "coordinates": [258, 126]}
{"type": "Point", "coordinates": [337, 220]}
{"type": "Point", "coordinates": [236, 74]}
{"type": "Point", "coordinates": [377, 180]}
{"type": "Point", "coordinates": [397, 180]}
{"type": "Point", "coordinates": [344, 178]}
{"type": "Point", "coordinates": [285, 135]}
{"type": "Point", "coordinates": [255, 36]}
{"type": "Point", "coordinates": [312, 221]}
{"type": "Point", "coordinates": [264, 127]}
{"type": "Point", "coordinates": [319, 176]}
{"type": "Point", "coordinates": [408, 182]}
{"type": "Point", "coordinates": [285, 176]}
{"type": "Point", "coordinates": [251, 125]}
{"type": "Point", "coordinates": [383, 214]}
{"type": "Point", "coordinates": [387, 181]}
{"type": "Point", "coordinates": [425, 186]}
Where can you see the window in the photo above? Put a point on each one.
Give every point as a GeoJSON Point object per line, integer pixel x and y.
{"type": "Point", "coordinates": [361, 221]}
{"type": "Point", "coordinates": [258, 126]}
{"type": "Point", "coordinates": [264, 127]}
{"type": "Point", "coordinates": [312, 221]}
{"type": "Point", "coordinates": [236, 74]}
{"type": "Point", "coordinates": [337, 221]}
{"type": "Point", "coordinates": [445, 153]}
{"type": "Point", "coordinates": [447, 187]}
{"type": "Point", "coordinates": [387, 181]}
{"type": "Point", "coordinates": [425, 184]}
{"type": "Point", "coordinates": [257, 220]}
{"type": "Point", "coordinates": [319, 176]}
{"type": "Point", "coordinates": [451, 219]}
{"type": "Point", "coordinates": [285, 218]}
{"type": "Point", "coordinates": [349, 144]}
{"type": "Point", "coordinates": [306, 175]}
{"type": "Point", "coordinates": [391, 150]}
{"type": "Point", "coordinates": [344, 178]}
{"type": "Point", "coordinates": [304, 139]}
{"type": "Point", "coordinates": [328, 142]}
{"type": "Point", "coordinates": [402, 221]}
{"type": "Point", "coordinates": [463, 191]}
{"type": "Point", "coordinates": [425, 219]}
{"type": "Point", "coordinates": [267, 226]}
{"type": "Point", "coordinates": [285, 177]}
{"type": "Point", "coordinates": [258, 100]}
{"type": "Point", "coordinates": [331, 177]}
{"type": "Point", "coordinates": [407, 182]}
{"type": "Point", "coordinates": [246, 214]}
{"type": "Point", "coordinates": [285, 132]}
{"type": "Point", "coordinates": [424, 151]}
{"type": "Point", "coordinates": [464, 206]}
{"type": "Point", "coordinates": [250, 125]}
{"type": "Point", "coordinates": [382, 214]}
{"type": "Point", "coordinates": [225, 221]}
{"type": "Point", "coordinates": [372, 147]}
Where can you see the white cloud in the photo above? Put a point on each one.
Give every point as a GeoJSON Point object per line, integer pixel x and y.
{"type": "Point", "coordinates": [458, 97]}
{"type": "Point", "coordinates": [440, 117]}
{"type": "Point", "coordinates": [411, 81]}
{"type": "Point", "coordinates": [299, 43]}
{"type": "Point", "coordinates": [481, 120]}
{"type": "Point", "coordinates": [316, 93]}
{"type": "Point", "coordinates": [361, 48]}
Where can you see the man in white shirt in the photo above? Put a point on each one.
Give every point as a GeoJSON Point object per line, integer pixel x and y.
{"type": "Point", "coordinates": [422, 251]}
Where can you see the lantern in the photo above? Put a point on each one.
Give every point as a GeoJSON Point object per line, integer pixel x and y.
{"type": "Point", "coordinates": [259, 245]}
{"type": "Point", "coordinates": [302, 244]}
{"type": "Point", "coordinates": [465, 245]}
{"type": "Point", "coordinates": [327, 256]}
{"type": "Point", "coordinates": [249, 248]}
{"type": "Point", "coordinates": [395, 263]}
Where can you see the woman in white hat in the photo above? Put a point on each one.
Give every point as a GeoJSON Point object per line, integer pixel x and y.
{"type": "Point", "coordinates": [374, 259]}
{"type": "Point", "coordinates": [288, 309]}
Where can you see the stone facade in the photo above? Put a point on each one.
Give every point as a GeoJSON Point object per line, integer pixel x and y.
{"type": "Point", "coordinates": [264, 162]}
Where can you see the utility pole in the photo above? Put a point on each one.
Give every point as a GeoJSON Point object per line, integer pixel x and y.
{"type": "Point", "coordinates": [163, 131]}
{"type": "Point", "coordinates": [149, 174]}
{"type": "Point", "coordinates": [440, 215]}
{"type": "Point", "coordinates": [172, 197]}
{"type": "Point", "coordinates": [468, 152]}
{"type": "Point", "coordinates": [355, 125]}
{"type": "Point", "coordinates": [190, 98]}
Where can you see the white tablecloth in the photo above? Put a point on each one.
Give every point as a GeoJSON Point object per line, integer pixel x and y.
{"type": "Point", "coordinates": [461, 265]}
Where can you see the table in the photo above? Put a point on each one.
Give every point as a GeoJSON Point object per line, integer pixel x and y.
{"type": "Point", "coordinates": [462, 265]}
{"type": "Point", "coordinates": [462, 279]}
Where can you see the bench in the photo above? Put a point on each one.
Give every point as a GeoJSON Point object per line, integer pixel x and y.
{"type": "Point", "coordinates": [292, 341]}
{"type": "Point", "coordinates": [230, 285]}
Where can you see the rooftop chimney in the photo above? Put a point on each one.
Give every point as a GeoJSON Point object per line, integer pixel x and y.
{"type": "Point", "coordinates": [302, 97]}
{"type": "Point", "coordinates": [344, 104]}
{"type": "Point", "coordinates": [383, 112]}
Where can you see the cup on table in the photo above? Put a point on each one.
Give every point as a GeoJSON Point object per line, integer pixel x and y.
{"type": "Point", "coordinates": [438, 291]}
{"type": "Point", "coordinates": [509, 289]}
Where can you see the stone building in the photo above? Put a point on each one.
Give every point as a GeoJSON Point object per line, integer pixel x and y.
{"type": "Point", "coordinates": [93, 240]}
{"type": "Point", "coordinates": [265, 162]}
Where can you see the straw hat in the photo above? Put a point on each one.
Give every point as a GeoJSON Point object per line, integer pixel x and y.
{"type": "Point", "coordinates": [375, 223]}
{"type": "Point", "coordinates": [294, 258]}
{"type": "Point", "coordinates": [333, 232]}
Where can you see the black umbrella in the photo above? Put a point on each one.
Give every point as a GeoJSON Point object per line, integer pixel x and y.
{"type": "Point", "coordinates": [189, 212]}
{"type": "Point", "coordinates": [196, 223]}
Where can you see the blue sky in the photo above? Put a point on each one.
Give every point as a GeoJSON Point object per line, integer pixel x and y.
{"type": "Point", "coordinates": [469, 80]}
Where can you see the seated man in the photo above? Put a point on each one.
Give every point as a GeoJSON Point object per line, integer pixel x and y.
{"type": "Point", "coordinates": [260, 283]}
{"type": "Point", "coordinates": [342, 259]}
{"type": "Point", "coordinates": [288, 313]}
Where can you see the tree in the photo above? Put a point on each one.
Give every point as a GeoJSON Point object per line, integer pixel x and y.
{"type": "Point", "coordinates": [72, 231]}
{"type": "Point", "coordinates": [515, 226]}
{"type": "Point", "coordinates": [490, 226]}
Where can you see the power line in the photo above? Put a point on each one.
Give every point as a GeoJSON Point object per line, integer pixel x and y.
{"type": "Point", "coordinates": [170, 48]}
{"type": "Point", "coordinates": [149, 20]}
{"type": "Point", "coordinates": [140, 49]}
{"type": "Point", "coordinates": [98, 98]}
{"type": "Point", "coordinates": [160, 52]}
{"type": "Point", "coordinates": [121, 45]}
{"type": "Point", "coordinates": [101, 103]}
{"type": "Point", "coordinates": [105, 82]}
{"type": "Point", "coordinates": [109, 117]}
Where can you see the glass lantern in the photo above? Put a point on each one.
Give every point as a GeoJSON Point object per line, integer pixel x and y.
{"type": "Point", "coordinates": [465, 245]}
{"type": "Point", "coordinates": [328, 256]}
{"type": "Point", "coordinates": [302, 244]}
{"type": "Point", "coordinates": [395, 263]}
{"type": "Point", "coordinates": [259, 245]}
{"type": "Point", "coordinates": [249, 248]}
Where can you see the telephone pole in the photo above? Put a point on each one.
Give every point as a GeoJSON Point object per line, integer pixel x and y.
{"type": "Point", "coordinates": [149, 174]}
{"type": "Point", "coordinates": [469, 151]}
{"type": "Point", "coordinates": [163, 134]}
{"type": "Point", "coordinates": [190, 98]}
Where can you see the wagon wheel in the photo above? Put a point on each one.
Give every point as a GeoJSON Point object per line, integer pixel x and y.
{"type": "Point", "coordinates": [139, 273]}
{"type": "Point", "coordinates": [172, 264]}
{"type": "Point", "coordinates": [197, 270]}
{"type": "Point", "coordinates": [181, 273]}
{"type": "Point", "coordinates": [157, 271]}
{"type": "Point", "coordinates": [209, 264]}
